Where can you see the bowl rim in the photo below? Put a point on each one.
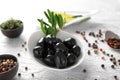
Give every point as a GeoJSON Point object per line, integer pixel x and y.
{"type": "Point", "coordinates": [57, 69]}
{"type": "Point", "coordinates": [13, 66]}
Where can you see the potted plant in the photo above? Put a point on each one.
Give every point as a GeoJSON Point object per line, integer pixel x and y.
{"type": "Point", "coordinates": [12, 28]}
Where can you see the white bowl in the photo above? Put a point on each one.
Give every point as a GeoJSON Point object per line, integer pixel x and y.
{"type": "Point", "coordinates": [32, 41]}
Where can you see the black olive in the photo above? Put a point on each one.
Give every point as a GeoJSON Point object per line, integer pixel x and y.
{"type": "Point", "coordinates": [71, 59]}
{"type": "Point", "coordinates": [60, 47]}
{"type": "Point", "coordinates": [76, 50]}
{"type": "Point", "coordinates": [50, 41]}
{"type": "Point", "coordinates": [41, 42]}
{"type": "Point", "coordinates": [38, 51]}
{"type": "Point", "coordinates": [60, 60]}
{"type": "Point", "coordinates": [50, 51]}
{"type": "Point", "coordinates": [49, 60]}
{"type": "Point", "coordinates": [69, 43]}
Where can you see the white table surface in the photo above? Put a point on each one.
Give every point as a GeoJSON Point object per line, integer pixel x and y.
{"type": "Point", "coordinates": [28, 11]}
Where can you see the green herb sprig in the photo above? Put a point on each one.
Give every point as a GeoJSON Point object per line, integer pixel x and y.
{"type": "Point", "coordinates": [54, 20]}
{"type": "Point", "coordinates": [11, 24]}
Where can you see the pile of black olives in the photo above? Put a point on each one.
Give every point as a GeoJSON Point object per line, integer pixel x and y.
{"type": "Point", "coordinates": [56, 53]}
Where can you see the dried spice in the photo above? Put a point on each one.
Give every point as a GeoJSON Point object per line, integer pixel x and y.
{"type": "Point", "coordinates": [112, 66]}
{"type": "Point", "coordinates": [26, 68]}
{"type": "Point", "coordinates": [114, 63]}
{"type": "Point", "coordinates": [18, 54]}
{"type": "Point", "coordinates": [22, 45]}
{"type": "Point", "coordinates": [78, 32]}
{"type": "Point", "coordinates": [92, 34]}
{"type": "Point", "coordinates": [84, 70]}
{"type": "Point", "coordinates": [113, 43]}
{"type": "Point", "coordinates": [19, 74]}
{"type": "Point", "coordinates": [25, 42]}
{"type": "Point", "coordinates": [25, 49]}
{"type": "Point", "coordinates": [32, 74]}
{"type": "Point", "coordinates": [103, 66]}
{"type": "Point", "coordinates": [116, 78]}
{"type": "Point", "coordinates": [103, 58]}
{"type": "Point", "coordinates": [102, 40]}
{"type": "Point", "coordinates": [104, 52]}
{"type": "Point", "coordinates": [94, 46]}
{"type": "Point", "coordinates": [7, 64]}
{"type": "Point", "coordinates": [101, 49]}
{"type": "Point", "coordinates": [89, 44]}
{"type": "Point", "coordinates": [96, 41]}
{"type": "Point", "coordinates": [96, 51]}
{"type": "Point", "coordinates": [89, 53]}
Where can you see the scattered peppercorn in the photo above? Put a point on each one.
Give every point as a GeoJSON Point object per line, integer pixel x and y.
{"type": "Point", "coordinates": [89, 44]}
{"type": "Point", "coordinates": [25, 42]}
{"type": "Point", "coordinates": [19, 74]}
{"type": "Point", "coordinates": [114, 63]}
{"type": "Point", "coordinates": [22, 45]}
{"type": "Point", "coordinates": [103, 58]}
{"type": "Point", "coordinates": [111, 59]}
{"type": "Point", "coordinates": [94, 46]}
{"type": "Point", "coordinates": [89, 53]}
{"type": "Point", "coordinates": [26, 68]}
{"type": "Point", "coordinates": [108, 54]}
{"type": "Point", "coordinates": [96, 41]}
{"type": "Point", "coordinates": [116, 78]}
{"type": "Point", "coordinates": [102, 41]}
{"type": "Point", "coordinates": [101, 49]}
{"type": "Point", "coordinates": [103, 66]}
{"type": "Point", "coordinates": [84, 70]}
{"type": "Point", "coordinates": [18, 54]}
{"type": "Point", "coordinates": [25, 49]}
{"type": "Point", "coordinates": [32, 75]}
{"type": "Point", "coordinates": [111, 55]}
{"type": "Point", "coordinates": [78, 32]}
{"type": "Point", "coordinates": [96, 51]}
{"type": "Point", "coordinates": [112, 66]}
{"type": "Point", "coordinates": [104, 52]}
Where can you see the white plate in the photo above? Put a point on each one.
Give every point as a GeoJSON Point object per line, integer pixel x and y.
{"type": "Point", "coordinates": [62, 35]}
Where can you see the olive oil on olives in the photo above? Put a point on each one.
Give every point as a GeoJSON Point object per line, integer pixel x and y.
{"type": "Point", "coordinates": [56, 53]}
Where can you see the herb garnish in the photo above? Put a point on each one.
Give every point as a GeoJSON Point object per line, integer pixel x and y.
{"type": "Point", "coordinates": [54, 21]}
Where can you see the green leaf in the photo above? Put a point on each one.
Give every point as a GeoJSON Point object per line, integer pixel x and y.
{"type": "Point", "coordinates": [43, 27]}
{"type": "Point", "coordinates": [43, 22]}
{"type": "Point", "coordinates": [46, 15]}
{"type": "Point", "coordinates": [85, 19]}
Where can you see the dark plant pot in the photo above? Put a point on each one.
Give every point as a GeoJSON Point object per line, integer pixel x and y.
{"type": "Point", "coordinates": [8, 75]}
{"type": "Point", "coordinates": [12, 33]}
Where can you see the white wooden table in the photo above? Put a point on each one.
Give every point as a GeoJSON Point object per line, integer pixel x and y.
{"type": "Point", "coordinates": [108, 18]}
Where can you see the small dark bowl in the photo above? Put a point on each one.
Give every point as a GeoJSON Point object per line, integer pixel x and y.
{"type": "Point", "coordinates": [12, 33]}
{"type": "Point", "coordinates": [8, 75]}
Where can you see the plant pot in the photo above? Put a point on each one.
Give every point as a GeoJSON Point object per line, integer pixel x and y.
{"type": "Point", "coordinates": [12, 33]}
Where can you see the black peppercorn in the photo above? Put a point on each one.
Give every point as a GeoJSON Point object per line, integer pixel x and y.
{"type": "Point", "coordinates": [116, 78]}
{"type": "Point", "coordinates": [102, 65]}
{"type": "Point", "coordinates": [18, 54]}
{"type": "Point", "coordinates": [84, 70]}
{"type": "Point", "coordinates": [89, 44]}
{"type": "Point", "coordinates": [19, 74]}
{"type": "Point", "coordinates": [32, 75]}
{"type": "Point", "coordinates": [26, 68]}
{"type": "Point", "coordinates": [89, 52]}
{"type": "Point", "coordinates": [112, 66]}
